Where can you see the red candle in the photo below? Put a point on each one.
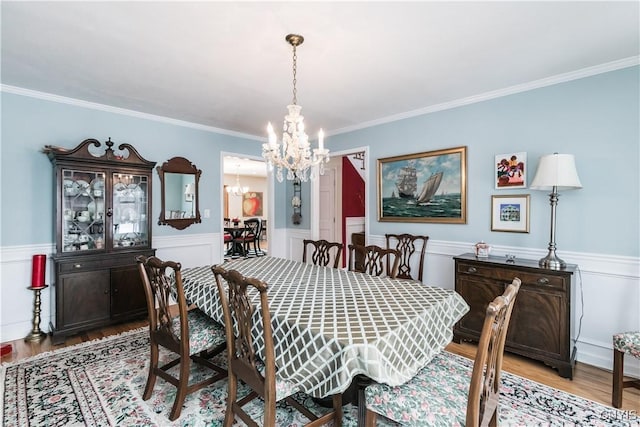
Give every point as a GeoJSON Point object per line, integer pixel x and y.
{"type": "Point", "coordinates": [37, 271]}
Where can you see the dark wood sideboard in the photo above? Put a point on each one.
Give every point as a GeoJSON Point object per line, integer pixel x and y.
{"type": "Point", "coordinates": [541, 325]}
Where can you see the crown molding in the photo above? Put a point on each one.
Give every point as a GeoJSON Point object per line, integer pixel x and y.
{"type": "Point", "coordinates": [524, 87]}
{"type": "Point", "coordinates": [123, 111]}
{"type": "Point", "coordinates": [536, 84]}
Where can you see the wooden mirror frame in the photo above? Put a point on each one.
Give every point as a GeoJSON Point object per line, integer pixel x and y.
{"type": "Point", "coordinates": [182, 166]}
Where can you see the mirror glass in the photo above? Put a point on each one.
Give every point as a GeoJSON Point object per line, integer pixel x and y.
{"type": "Point", "coordinates": [179, 191]}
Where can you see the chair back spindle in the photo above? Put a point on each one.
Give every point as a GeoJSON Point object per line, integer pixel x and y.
{"type": "Point", "coordinates": [406, 244]}
{"type": "Point", "coordinates": [323, 252]}
{"type": "Point", "coordinates": [374, 260]}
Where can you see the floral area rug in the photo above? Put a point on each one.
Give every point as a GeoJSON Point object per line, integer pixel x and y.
{"type": "Point", "coordinates": [100, 383]}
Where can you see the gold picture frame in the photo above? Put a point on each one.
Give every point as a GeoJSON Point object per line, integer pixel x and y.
{"type": "Point", "coordinates": [424, 187]}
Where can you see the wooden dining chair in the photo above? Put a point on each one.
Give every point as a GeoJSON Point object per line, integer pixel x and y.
{"type": "Point", "coordinates": [228, 239]}
{"type": "Point", "coordinates": [192, 335]}
{"type": "Point", "coordinates": [446, 392]}
{"type": "Point", "coordinates": [374, 260]}
{"type": "Point", "coordinates": [629, 343]}
{"type": "Point", "coordinates": [243, 362]}
{"type": "Point", "coordinates": [406, 244]}
{"type": "Point", "coordinates": [323, 252]}
{"type": "Point", "coordinates": [251, 237]}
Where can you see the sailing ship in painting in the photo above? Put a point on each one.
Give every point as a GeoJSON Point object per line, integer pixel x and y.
{"type": "Point", "coordinates": [430, 187]}
{"type": "Point", "coordinates": [407, 185]}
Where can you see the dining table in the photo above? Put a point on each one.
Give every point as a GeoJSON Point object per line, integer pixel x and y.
{"type": "Point", "coordinates": [332, 325]}
{"type": "Point", "coordinates": [237, 246]}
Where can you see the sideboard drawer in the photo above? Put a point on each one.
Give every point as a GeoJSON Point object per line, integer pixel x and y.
{"type": "Point", "coordinates": [79, 266]}
{"type": "Point", "coordinates": [537, 279]}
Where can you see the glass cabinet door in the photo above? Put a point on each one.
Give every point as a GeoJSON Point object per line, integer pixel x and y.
{"type": "Point", "coordinates": [82, 210]}
{"type": "Point", "coordinates": [130, 216]}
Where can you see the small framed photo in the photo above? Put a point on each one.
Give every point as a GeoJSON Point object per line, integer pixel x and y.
{"type": "Point", "coordinates": [510, 170]}
{"type": "Point", "coordinates": [510, 213]}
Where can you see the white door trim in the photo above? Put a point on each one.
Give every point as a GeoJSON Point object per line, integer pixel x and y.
{"type": "Point", "coordinates": [315, 193]}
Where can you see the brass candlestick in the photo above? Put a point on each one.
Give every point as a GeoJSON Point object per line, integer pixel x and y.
{"type": "Point", "coordinates": [36, 334]}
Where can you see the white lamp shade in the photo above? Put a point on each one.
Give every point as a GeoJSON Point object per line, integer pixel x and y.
{"type": "Point", "coordinates": [190, 188]}
{"type": "Point", "coordinates": [556, 170]}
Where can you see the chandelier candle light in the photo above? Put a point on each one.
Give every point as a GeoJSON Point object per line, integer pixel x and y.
{"type": "Point", "coordinates": [294, 154]}
{"type": "Point", "coordinates": [555, 172]}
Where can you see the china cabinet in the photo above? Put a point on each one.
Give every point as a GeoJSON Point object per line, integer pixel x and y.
{"type": "Point", "coordinates": [541, 326]}
{"type": "Point", "coordinates": [102, 222]}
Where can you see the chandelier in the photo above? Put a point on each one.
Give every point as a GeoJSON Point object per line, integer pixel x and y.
{"type": "Point", "coordinates": [294, 153]}
{"type": "Point", "coordinates": [237, 190]}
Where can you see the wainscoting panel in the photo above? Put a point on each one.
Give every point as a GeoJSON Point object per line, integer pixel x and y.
{"type": "Point", "coordinates": [606, 298]}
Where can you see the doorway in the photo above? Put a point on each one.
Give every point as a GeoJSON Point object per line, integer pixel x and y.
{"type": "Point", "coordinates": [247, 193]}
{"type": "Point", "coordinates": [338, 215]}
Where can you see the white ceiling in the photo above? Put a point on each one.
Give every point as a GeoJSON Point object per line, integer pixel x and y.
{"type": "Point", "coordinates": [243, 166]}
{"type": "Point", "coordinates": [226, 64]}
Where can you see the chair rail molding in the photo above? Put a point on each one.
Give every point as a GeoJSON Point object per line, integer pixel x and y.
{"type": "Point", "coordinates": [608, 281]}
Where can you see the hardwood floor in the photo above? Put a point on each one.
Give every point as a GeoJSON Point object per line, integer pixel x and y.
{"type": "Point", "coordinates": [588, 382]}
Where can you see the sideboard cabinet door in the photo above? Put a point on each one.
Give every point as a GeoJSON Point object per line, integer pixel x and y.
{"type": "Point", "coordinates": [541, 325]}
{"type": "Point", "coordinates": [83, 299]}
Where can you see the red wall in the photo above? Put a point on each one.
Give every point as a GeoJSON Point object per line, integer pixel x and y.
{"type": "Point", "coordinates": [353, 198]}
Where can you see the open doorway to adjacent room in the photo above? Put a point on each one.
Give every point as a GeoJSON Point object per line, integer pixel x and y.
{"type": "Point", "coordinates": [246, 196]}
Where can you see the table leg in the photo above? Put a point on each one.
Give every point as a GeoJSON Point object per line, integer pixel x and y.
{"type": "Point", "coordinates": [362, 382]}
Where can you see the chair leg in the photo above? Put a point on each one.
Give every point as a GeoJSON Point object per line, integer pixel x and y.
{"type": "Point", "coordinates": [183, 384]}
{"type": "Point", "coordinates": [370, 418]}
{"type": "Point", "coordinates": [337, 410]}
{"type": "Point", "coordinates": [232, 396]}
{"type": "Point", "coordinates": [151, 378]}
{"type": "Point", "coordinates": [618, 378]}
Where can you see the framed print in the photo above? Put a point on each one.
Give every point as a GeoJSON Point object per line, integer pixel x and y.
{"type": "Point", "coordinates": [252, 203]}
{"type": "Point", "coordinates": [510, 170]}
{"type": "Point", "coordinates": [510, 213]}
{"type": "Point", "coordinates": [424, 187]}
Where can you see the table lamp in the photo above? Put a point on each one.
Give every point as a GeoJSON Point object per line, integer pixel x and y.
{"type": "Point", "coordinates": [555, 172]}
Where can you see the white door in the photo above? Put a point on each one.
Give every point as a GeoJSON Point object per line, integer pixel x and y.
{"type": "Point", "coordinates": [327, 205]}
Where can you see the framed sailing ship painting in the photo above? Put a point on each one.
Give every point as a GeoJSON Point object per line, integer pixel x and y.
{"type": "Point", "coordinates": [424, 187]}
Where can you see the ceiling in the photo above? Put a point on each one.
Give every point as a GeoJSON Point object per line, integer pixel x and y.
{"type": "Point", "coordinates": [227, 66]}
{"type": "Point", "coordinates": [243, 166]}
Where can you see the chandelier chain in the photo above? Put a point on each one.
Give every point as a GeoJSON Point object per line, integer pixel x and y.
{"type": "Point", "coordinates": [295, 69]}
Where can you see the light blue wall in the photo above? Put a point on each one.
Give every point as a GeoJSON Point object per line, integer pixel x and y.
{"type": "Point", "coordinates": [594, 118]}
{"type": "Point", "coordinates": [28, 124]}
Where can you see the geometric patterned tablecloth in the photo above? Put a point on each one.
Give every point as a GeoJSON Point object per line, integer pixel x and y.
{"type": "Point", "coordinates": [331, 324]}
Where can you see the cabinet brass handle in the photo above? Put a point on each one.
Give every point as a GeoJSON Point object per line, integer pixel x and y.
{"type": "Point", "coordinates": [543, 281]}
{"type": "Point", "coordinates": [106, 291]}
{"type": "Point", "coordinates": [77, 265]}
{"type": "Point", "coordinates": [472, 270]}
